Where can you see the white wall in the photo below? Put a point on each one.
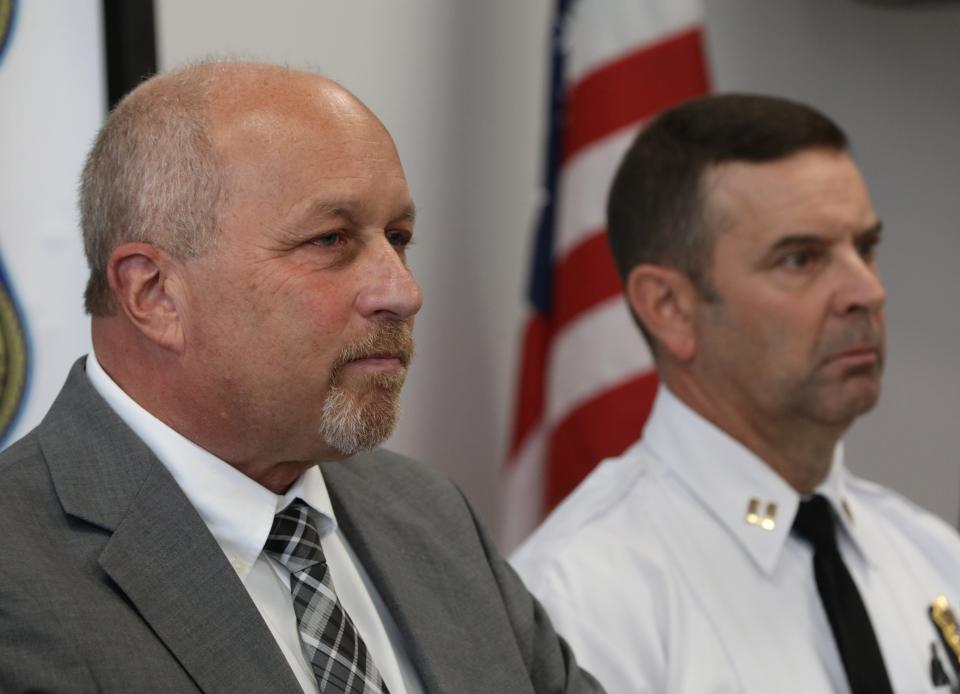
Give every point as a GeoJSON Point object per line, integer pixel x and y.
{"type": "Point", "coordinates": [461, 85]}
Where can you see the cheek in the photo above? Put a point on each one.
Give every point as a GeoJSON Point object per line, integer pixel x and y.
{"type": "Point", "coordinates": [762, 334]}
{"type": "Point", "coordinates": [282, 311]}
{"type": "Point", "coordinates": [310, 326]}
{"type": "Point", "coordinates": [776, 337]}
{"type": "Point", "coordinates": [232, 324]}
{"type": "Point", "coordinates": [330, 300]}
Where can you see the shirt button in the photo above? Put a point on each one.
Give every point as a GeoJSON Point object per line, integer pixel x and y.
{"type": "Point", "coordinates": [238, 565]}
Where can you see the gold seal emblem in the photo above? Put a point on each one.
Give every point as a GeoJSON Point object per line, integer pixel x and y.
{"type": "Point", "coordinates": [6, 22]}
{"type": "Point", "coordinates": [13, 359]}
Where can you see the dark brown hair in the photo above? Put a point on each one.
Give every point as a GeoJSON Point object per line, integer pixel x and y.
{"type": "Point", "coordinates": [655, 211]}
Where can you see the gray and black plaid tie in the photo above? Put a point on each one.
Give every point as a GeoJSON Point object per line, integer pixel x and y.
{"type": "Point", "coordinates": [330, 641]}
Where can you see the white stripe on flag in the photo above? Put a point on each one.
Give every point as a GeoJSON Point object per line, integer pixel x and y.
{"type": "Point", "coordinates": [583, 187]}
{"type": "Point", "coordinates": [603, 30]}
{"type": "Point", "coordinates": [601, 349]}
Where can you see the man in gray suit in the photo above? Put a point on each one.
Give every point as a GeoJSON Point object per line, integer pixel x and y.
{"type": "Point", "coordinates": [167, 527]}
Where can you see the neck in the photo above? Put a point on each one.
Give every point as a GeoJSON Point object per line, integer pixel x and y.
{"type": "Point", "coordinates": [798, 450]}
{"type": "Point", "coordinates": [151, 378]}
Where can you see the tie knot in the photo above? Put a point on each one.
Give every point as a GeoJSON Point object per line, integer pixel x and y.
{"type": "Point", "coordinates": [814, 522]}
{"type": "Point", "coordinates": [294, 540]}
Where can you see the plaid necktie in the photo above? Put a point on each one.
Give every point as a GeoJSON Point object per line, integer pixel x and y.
{"type": "Point", "coordinates": [330, 641]}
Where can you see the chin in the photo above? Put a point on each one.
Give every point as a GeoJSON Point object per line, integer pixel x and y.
{"type": "Point", "coordinates": [846, 407]}
{"type": "Point", "coordinates": [353, 423]}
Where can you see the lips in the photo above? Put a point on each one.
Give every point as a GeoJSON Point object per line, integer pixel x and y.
{"type": "Point", "coordinates": [861, 357]}
{"type": "Point", "coordinates": [402, 357]}
{"type": "Point", "coordinates": [859, 342]}
{"type": "Point", "coordinates": [857, 352]}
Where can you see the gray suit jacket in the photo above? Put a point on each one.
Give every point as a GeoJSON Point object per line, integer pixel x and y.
{"type": "Point", "coordinates": [110, 581]}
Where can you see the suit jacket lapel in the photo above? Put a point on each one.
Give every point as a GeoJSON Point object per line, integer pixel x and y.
{"type": "Point", "coordinates": [446, 615]}
{"type": "Point", "coordinates": [160, 554]}
{"type": "Point", "coordinates": [166, 562]}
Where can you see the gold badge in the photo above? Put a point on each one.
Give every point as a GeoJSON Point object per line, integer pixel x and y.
{"type": "Point", "coordinates": [946, 623]}
{"type": "Point", "coordinates": [766, 520]}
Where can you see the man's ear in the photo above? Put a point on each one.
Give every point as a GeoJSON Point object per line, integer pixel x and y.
{"type": "Point", "coordinates": [140, 279]}
{"type": "Point", "coordinates": [664, 300]}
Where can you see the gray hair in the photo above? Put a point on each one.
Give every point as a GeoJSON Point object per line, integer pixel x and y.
{"type": "Point", "coordinates": [152, 176]}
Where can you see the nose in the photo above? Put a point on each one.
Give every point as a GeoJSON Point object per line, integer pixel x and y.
{"type": "Point", "coordinates": [860, 288]}
{"type": "Point", "coordinates": [388, 290]}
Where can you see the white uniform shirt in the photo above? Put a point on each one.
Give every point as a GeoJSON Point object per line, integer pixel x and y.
{"type": "Point", "coordinates": [653, 573]}
{"type": "Point", "coordinates": [239, 513]}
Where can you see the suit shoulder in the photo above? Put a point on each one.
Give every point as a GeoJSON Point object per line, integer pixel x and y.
{"type": "Point", "coordinates": [387, 467]}
{"type": "Point", "coordinates": [31, 517]}
{"type": "Point", "coordinates": [23, 474]}
{"type": "Point", "coordinates": [407, 485]}
{"type": "Point", "coordinates": [23, 449]}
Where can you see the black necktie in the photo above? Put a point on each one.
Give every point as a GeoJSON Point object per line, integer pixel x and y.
{"type": "Point", "coordinates": [849, 620]}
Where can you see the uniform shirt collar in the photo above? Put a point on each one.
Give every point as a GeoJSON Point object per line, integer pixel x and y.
{"type": "Point", "coordinates": [237, 510]}
{"type": "Point", "coordinates": [751, 501]}
{"type": "Point", "coordinates": [847, 509]}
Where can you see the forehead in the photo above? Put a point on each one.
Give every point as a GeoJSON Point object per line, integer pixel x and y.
{"type": "Point", "coordinates": [277, 137]}
{"type": "Point", "coordinates": [815, 191]}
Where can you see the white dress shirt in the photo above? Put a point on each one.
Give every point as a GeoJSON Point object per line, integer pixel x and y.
{"type": "Point", "coordinates": [239, 513]}
{"type": "Point", "coordinates": [662, 580]}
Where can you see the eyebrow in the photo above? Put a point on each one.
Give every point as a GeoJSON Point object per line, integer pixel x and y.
{"type": "Point", "coordinates": [806, 239]}
{"type": "Point", "coordinates": [876, 230]}
{"type": "Point", "coordinates": [347, 209]}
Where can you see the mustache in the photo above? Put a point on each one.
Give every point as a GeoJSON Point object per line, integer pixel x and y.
{"type": "Point", "coordinates": [394, 339]}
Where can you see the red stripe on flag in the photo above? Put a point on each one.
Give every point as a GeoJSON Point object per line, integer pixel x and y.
{"type": "Point", "coordinates": [600, 428]}
{"type": "Point", "coordinates": [634, 88]}
{"type": "Point", "coordinates": [532, 390]}
{"type": "Point", "coordinates": [586, 277]}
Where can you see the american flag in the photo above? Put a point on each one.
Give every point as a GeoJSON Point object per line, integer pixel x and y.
{"type": "Point", "coordinates": [586, 380]}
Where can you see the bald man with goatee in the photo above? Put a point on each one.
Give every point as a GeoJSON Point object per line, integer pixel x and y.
{"type": "Point", "coordinates": [204, 508]}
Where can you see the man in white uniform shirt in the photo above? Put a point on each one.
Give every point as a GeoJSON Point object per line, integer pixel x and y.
{"type": "Point", "coordinates": [188, 516]}
{"type": "Point", "coordinates": [730, 550]}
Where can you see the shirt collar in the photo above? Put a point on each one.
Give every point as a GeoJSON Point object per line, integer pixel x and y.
{"type": "Point", "coordinates": [237, 510]}
{"type": "Point", "coordinates": [743, 493]}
